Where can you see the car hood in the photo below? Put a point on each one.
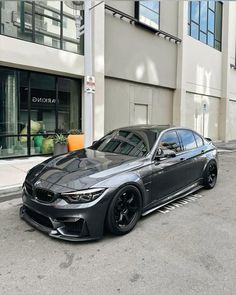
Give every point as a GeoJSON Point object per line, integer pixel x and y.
{"type": "Point", "coordinates": [81, 169]}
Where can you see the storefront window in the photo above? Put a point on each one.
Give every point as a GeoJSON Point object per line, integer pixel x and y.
{"type": "Point", "coordinates": [68, 106]}
{"type": "Point", "coordinates": [13, 118]}
{"type": "Point", "coordinates": [34, 107]}
{"type": "Point", "coordinates": [43, 101]}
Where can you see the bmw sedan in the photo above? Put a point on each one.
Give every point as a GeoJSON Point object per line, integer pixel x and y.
{"type": "Point", "coordinates": [127, 174]}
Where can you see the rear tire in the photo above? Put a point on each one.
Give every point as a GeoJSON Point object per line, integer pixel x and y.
{"type": "Point", "coordinates": [210, 175]}
{"type": "Point", "coordinates": [124, 211]}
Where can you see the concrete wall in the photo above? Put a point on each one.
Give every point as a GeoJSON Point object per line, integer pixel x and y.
{"type": "Point", "coordinates": [203, 68]}
{"type": "Point", "coordinates": [135, 54]}
{"type": "Point", "coordinates": [232, 51]}
{"type": "Point", "coordinates": [232, 120]}
{"type": "Point", "coordinates": [122, 96]}
{"type": "Point", "coordinates": [21, 54]}
{"type": "Point", "coordinates": [206, 121]}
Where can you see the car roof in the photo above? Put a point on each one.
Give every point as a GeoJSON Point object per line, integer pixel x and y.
{"type": "Point", "coordinates": [147, 127]}
{"type": "Point", "coordinates": [156, 128]}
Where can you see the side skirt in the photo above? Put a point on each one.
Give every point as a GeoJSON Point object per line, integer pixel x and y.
{"type": "Point", "coordinates": [172, 199]}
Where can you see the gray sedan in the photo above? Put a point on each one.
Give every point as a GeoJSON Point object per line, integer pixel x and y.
{"type": "Point", "coordinates": [127, 174]}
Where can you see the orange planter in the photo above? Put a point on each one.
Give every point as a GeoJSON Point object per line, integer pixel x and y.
{"type": "Point", "coordinates": [75, 142]}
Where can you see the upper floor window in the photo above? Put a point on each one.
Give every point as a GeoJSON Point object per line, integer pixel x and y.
{"type": "Point", "coordinates": [50, 23]}
{"type": "Point", "coordinates": [148, 13]}
{"type": "Point", "coordinates": [205, 22]}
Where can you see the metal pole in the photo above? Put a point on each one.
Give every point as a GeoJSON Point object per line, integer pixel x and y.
{"type": "Point", "coordinates": [88, 71]}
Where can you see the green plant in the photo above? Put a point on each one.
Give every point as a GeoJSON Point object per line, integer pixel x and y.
{"type": "Point", "coordinates": [75, 131]}
{"type": "Point", "coordinates": [60, 138]}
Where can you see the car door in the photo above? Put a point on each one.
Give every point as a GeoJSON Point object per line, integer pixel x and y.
{"type": "Point", "coordinates": [168, 175]}
{"type": "Point", "coordinates": [193, 154]}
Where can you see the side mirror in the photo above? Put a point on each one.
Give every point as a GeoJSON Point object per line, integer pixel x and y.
{"type": "Point", "coordinates": [164, 154]}
{"type": "Point", "coordinates": [94, 142]}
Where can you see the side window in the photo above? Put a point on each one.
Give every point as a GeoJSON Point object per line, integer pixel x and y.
{"type": "Point", "coordinates": [170, 141]}
{"type": "Point", "coordinates": [188, 139]}
{"type": "Point", "coordinates": [198, 139]}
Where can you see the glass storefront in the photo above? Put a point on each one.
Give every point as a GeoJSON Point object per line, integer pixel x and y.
{"type": "Point", "coordinates": [35, 106]}
{"type": "Point", "coordinates": [50, 23]}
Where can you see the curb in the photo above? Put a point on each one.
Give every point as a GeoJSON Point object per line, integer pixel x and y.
{"type": "Point", "coordinates": [8, 191]}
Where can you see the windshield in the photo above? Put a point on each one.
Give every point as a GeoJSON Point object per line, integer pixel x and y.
{"type": "Point", "coordinates": [132, 142]}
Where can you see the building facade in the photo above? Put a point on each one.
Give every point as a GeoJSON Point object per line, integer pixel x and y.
{"type": "Point", "coordinates": [153, 78]}
{"type": "Point", "coordinates": [154, 62]}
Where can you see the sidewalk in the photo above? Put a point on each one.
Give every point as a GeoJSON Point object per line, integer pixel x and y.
{"type": "Point", "coordinates": [222, 146]}
{"type": "Point", "coordinates": [13, 172]}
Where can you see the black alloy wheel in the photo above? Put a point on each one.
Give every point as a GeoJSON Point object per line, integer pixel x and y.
{"type": "Point", "coordinates": [210, 176]}
{"type": "Point", "coordinates": [124, 211]}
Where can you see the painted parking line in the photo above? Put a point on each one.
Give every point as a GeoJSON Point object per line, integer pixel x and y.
{"type": "Point", "coordinates": [180, 203]}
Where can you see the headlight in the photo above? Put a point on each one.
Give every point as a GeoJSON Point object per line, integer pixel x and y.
{"type": "Point", "coordinates": [83, 196]}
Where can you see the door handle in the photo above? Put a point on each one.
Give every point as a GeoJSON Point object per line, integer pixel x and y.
{"type": "Point", "coordinates": [202, 151]}
{"type": "Point", "coordinates": [181, 159]}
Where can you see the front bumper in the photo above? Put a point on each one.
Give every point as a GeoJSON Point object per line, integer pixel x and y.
{"type": "Point", "coordinates": [72, 222]}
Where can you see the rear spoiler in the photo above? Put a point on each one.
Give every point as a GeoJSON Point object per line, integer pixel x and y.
{"type": "Point", "coordinates": [208, 139]}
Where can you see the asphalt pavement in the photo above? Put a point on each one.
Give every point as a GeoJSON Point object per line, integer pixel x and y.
{"type": "Point", "coordinates": [189, 249]}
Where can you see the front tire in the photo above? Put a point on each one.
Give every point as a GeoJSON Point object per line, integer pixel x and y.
{"type": "Point", "coordinates": [124, 211]}
{"type": "Point", "coordinates": [210, 175]}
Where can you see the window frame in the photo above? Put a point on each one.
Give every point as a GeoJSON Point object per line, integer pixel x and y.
{"type": "Point", "coordinates": [33, 30]}
{"type": "Point", "coordinates": [145, 24]}
{"type": "Point", "coordinates": [195, 134]}
{"type": "Point", "coordinates": [217, 44]}
{"type": "Point", "coordinates": [29, 109]}
{"type": "Point", "coordinates": [179, 139]}
{"type": "Point", "coordinates": [182, 143]}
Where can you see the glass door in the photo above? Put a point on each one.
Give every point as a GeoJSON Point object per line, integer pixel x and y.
{"type": "Point", "coordinates": [43, 102]}
{"type": "Point", "coordinates": [13, 115]}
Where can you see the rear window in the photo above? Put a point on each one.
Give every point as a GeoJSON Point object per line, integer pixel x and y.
{"type": "Point", "coordinates": [198, 139]}
{"type": "Point", "coordinates": [188, 139]}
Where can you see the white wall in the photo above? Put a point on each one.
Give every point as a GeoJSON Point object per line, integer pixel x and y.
{"type": "Point", "coordinates": [205, 122]}
{"type": "Point", "coordinates": [232, 51]}
{"type": "Point", "coordinates": [21, 54]}
{"type": "Point", "coordinates": [232, 120]}
{"type": "Point", "coordinates": [202, 67]}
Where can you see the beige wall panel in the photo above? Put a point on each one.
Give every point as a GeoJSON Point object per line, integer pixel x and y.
{"type": "Point", "coordinates": [116, 104]}
{"type": "Point", "coordinates": [202, 68]}
{"type": "Point", "coordinates": [123, 97]}
{"type": "Point", "coordinates": [206, 123]}
{"type": "Point", "coordinates": [232, 37]}
{"type": "Point", "coordinates": [125, 6]}
{"type": "Point", "coordinates": [162, 110]}
{"type": "Point", "coordinates": [169, 20]}
{"type": "Point", "coordinates": [232, 120]}
{"type": "Point", "coordinates": [232, 84]}
{"type": "Point", "coordinates": [135, 54]}
{"type": "Point", "coordinates": [21, 54]}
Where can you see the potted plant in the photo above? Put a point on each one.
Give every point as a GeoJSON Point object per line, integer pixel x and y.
{"type": "Point", "coordinates": [75, 140]}
{"type": "Point", "coordinates": [60, 144]}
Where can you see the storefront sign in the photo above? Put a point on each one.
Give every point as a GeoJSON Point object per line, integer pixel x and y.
{"type": "Point", "coordinates": [43, 100]}
{"type": "Point", "coordinates": [89, 84]}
